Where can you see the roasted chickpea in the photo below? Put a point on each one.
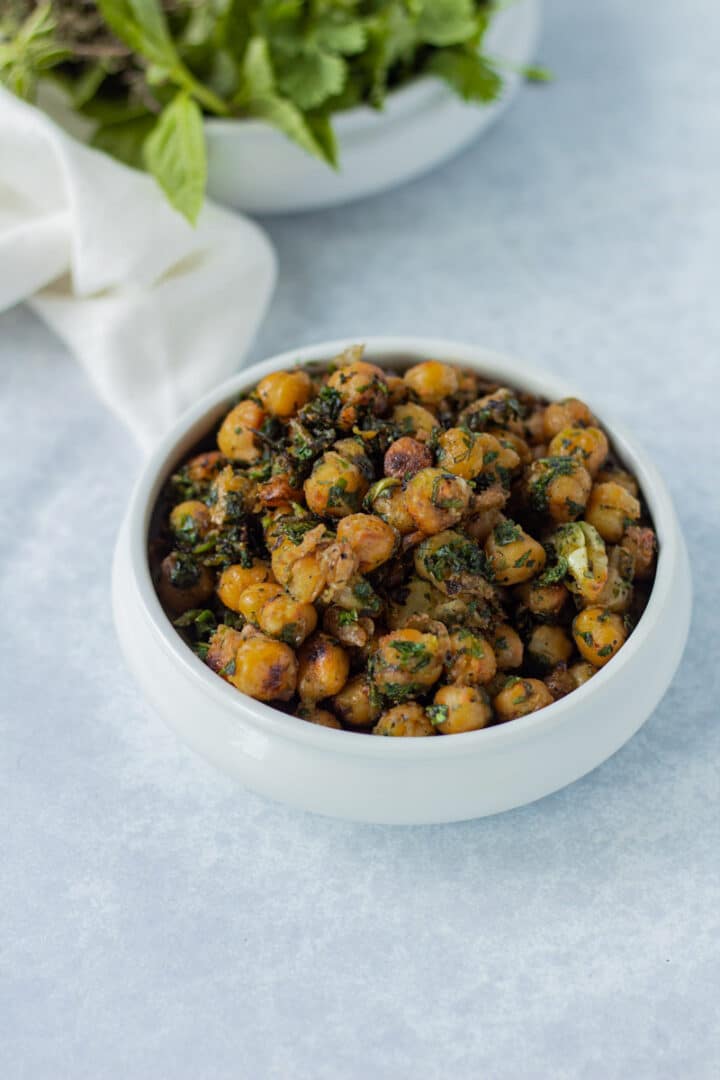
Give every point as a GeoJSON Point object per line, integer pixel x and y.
{"type": "Point", "coordinates": [265, 669]}
{"type": "Point", "coordinates": [581, 672]}
{"type": "Point", "coordinates": [549, 645]}
{"type": "Point", "coordinates": [558, 486]}
{"type": "Point", "coordinates": [485, 512]}
{"type": "Point", "coordinates": [460, 708]}
{"type": "Point", "coordinates": [335, 487]}
{"type": "Point", "coordinates": [222, 648]}
{"type": "Point", "coordinates": [190, 520]}
{"type": "Point", "coordinates": [284, 392]}
{"type": "Point", "coordinates": [472, 658]}
{"type": "Point", "coordinates": [498, 409]}
{"type": "Point", "coordinates": [512, 443]}
{"type": "Point", "coordinates": [235, 579]}
{"type": "Point", "coordinates": [236, 437]}
{"type": "Point", "coordinates": [408, 720]}
{"type": "Point", "coordinates": [322, 717]}
{"type": "Point", "coordinates": [520, 697]}
{"type": "Point", "coordinates": [414, 420]}
{"type": "Point", "coordinates": [432, 381]}
{"type": "Point", "coordinates": [253, 599]}
{"type": "Point", "coordinates": [406, 662]}
{"type": "Point", "coordinates": [405, 457]}
{"type": "Point", "coordinates": [204, 467]}
{"type": "Point", "coordinates": [611, 508]}
{"type": "Point", "coordinates": [508, 647]}
{"type": "Point", "coordinates": [617, 592]}
{"type": "Point", "coordinates": [398, 390]}
{"type": "Point", "coordinates": [355, 704]}
{"type": "Point", "coordinates": [307, 578]}
{"type": "Point", "coordinates": [641, 544]}
{"type": "Point", "coordinates": [372, 540]}
{"type": "Point", "coordinates": [513, 555]}
{"type": "Point", "coordinates": [588, 444]}
{"type": "Point", "coordinates": [570, 412]}
{"type": "Point", "coordinates": [598, 634]}
{"type": "Point", "coordinates": [288, 619]}
{"type": "Point", "coordinates": [183, 583]}
{"type": "Point", "coordinates": [451, 562]}
{"type": "Point", "coordinates": [613, 474]}
{"type": "Point", "coordinates": [231, 495]}
{"type": "Point", "coordinates": [360, 385]}
{"type": "Point", "coordinates": [387, 500]}
{"type": "Point", "coordinates": [460, 452]}
{"type": "Point", "coordinates": [324, 667]}
{"type": "Point", "coordinates": [559, 681]}
{"type": "Point", "coordinates": [543, 601]}
{"type": "Point", "coordinates": [436, 500]}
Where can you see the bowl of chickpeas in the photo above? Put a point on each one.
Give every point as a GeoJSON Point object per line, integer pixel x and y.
{"type": "Point", "coordinates": [402, 581]}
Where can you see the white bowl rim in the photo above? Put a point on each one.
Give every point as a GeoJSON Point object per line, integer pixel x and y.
{"type": "Point", "coordinates": [272, 721]}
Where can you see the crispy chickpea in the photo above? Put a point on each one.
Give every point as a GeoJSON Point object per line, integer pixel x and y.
{"type": "Point", "coordinates": [335, 487]}
{"type": "Point", "coordinates": [387, 500]}
{"type": "Point", "coordinates": [460, 452]}
{"type": "Point", "coordinates": [432, 381]}
{"type": "Point", "coordinates": [472, 658]}
{"type": "Point", "coordinates": [204, 467]}
{"type": "Point", "coordinates": [359, 384]}
{"type": "Point", "coordinates": [183, 583]}
{"type": "Point", "coordinates": [510, 441]}
{"type": "Point", "coordinates": [499, 456]}
{"type": "Point", "coordinates": [288, 619]}
{"type": "Point", "coordinates": [610, 509]}
{"type": "Point", "coordinates": [460, 708]}
{"type": "Point", "coordinates": [414, 420]}
{"type": "Point", "coordinates": [354, 450]}
{"type": "Point", "coordinates": [588, 444]}
{"type": "Point", "coordinates": [581, 672]}
{"type": "Point", "coordinates": [190, 520]}
{"type": "Point", "coordinates": [355, 704]}
{"type": "Point", "coordinates": [513, 555]}
{"type": "Point", "coordinates": [559, 681]}
{"type": "Point", "coordinates": [452, 563]}
{"type": "Point", "coordinates": [322, 717]}
{"type": "Point", "coordinates": [323, 669]}
{"type": "Point", "coordinates": [409, 720]}
{"type": "Point", "coordinates": [558, 486]}
{"type": "Point", "coordinates": [598, 634]}
{"type": "Point", "coordinates": [436, 500]}
{"type": "Point", "coordinates": [520, 697]}
{"type": "Point", "coordinates": [265, 669]}
{"type": "Point", "coordinates": [284, 392]}
{"type": "Point", "coordinates": [236, 437]}
{"type": "Point", "coordinates": [372, 540]}
{"type": "Point", "coordinates": [398, 389]}
{"type": "Point", "coordinates": [498, 409]}
{"type": "Point", "coordinates": [253, 599]}
{"type": "Point", "coordinates": [231, 494]}
{"type": "Point", "coordinates": [543, 601]}
{"type": "Point", "coordinates": [407, 660]}
{"type": "Point", "coordinates": [617, 592]}
{"type": "Point", "coordinates": [306, 578]}
{"type": "Point", "coordinates": [641, 544]}
{"type": "Point", "coordinates": [235, 579]}
{"type": "Point", "coordinates": [570, 412]}
{"type": "Point", "coordinates": [222, 648]}
{"type": "Point", "coordinates": [549, 645]}
{"type": "Point", "coordinates": [507, 646]}
{"type": "Point", "coordinates": [612, 474]}
{"type": "Point", "coordinates": [405, 457]}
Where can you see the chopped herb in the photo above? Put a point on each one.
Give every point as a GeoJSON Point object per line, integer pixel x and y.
{"type": "Point", "coordinates": [605, 651]}
{"type": "Point", "coordinates": [412, 651]}
{"type": "Point", "coordinates": [229, 668]}
{"type": "Point", "coordinates": [184, 572]}
{"type": "Point", "coordinates": [347, 618]}
{"type": "Point", "coordinates": [507, 532]}
{"type": "Point", "coordinates": [437, 714]}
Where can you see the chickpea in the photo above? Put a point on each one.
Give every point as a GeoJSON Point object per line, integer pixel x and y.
{"type": "Point", "coordinates": [236, 437]}
{"type": "Point", "coordinates": [508, 647]}
{"type": "Point", "coordinates": [387, 500]}
{"type": "Point", "coordinates": [460, 708]}
{"type": "Point", "coordinates": [284, 392]}
{"type": "Point", "coordinates": [184, 583]}
{"type": "Point", "coordinates": [570, 412]}
{"type": "Point", "coordinates": [598, 634]}
{"type": "Point", "coordinates": [354, 450]}
{"type": "Point", "coordinates": [405, 457]}
{"type": "Point", "coordinates": [498, 409]}
{"type": "Point", "coordinates": [614, 475]}
{"type": "Point", "coordinates": [558, 486]}
{"type": "Point", "coordinates": [288, 619]}
{"type": "Point", "coordinates": [360, 385]}
{"type": "Point", "coordinates": [323, 717]}
{"type": "Point", "coordinates": [436, 500]}
{"type": "Point", "coordinates": [512, 443]}
{"type": "Point", "coordinates": [543, 601]}
{"type": "Point", "coordinates": [460, 452]}
{"type": "Point", "coordinates": [549, 645]}
{"type": "Point", "coordinates": [406, 662]}
{"type": "Point", "coordinates": [335, 487]}
{"type": "Point", "coordinates": [265, 669]}
{"type": "Point", "coordinates": [323, 669]}
{"type": "Point", "coordinates": [520, 697]}
{"type": "Point", "coordinates": [617, 592]}
{"type": "Point", "coordinates": [222, 649]}
{"type": "Point", "coordinates": [641, 544]}
{"type": "Point", "coordinates": [254, 598]}
{"type": "Point", "coordinates": [513, 555]}
{"type": "Point", "coordinates": [204, 467]}
{"type": "Point", "coordinates": [355, 704]}
{"type": "Point", "coordinates": [231, 495]}
{"type": "Point", "coordinates": [306, 579]}
{"type": "Point", "coordinates": [485, 512]}
{"type": "Point", "coordinates": [398, 390]}
{"type": "Point", "coordinates": [610, 509]}
{"type": "Point", "coordinates": [452, 563]}
{"type": "Point", "coordinates": [588, 444]}
{"type": "Point", "coordinates": [235, 579]}
{"type": "Point", "coordinates": [408, 720]}
{"type": "Point", "coordinates": [414, 420]}
{"type": "Point", "coordinates": [190, 520]}
{"type": "Point", "coordinates": [581, 672]}
{"type": "Point", "coordinates": [559, 681]}
{"type": "Point", "coordinates": [472, 658]}
{"type": "Point", "coordinates": [432, 381]}
{"type": "Point", "coordinates": [372, 540]}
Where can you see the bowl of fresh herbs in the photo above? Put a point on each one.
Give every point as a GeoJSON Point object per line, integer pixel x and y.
{"type": "Point", "coordinates": [271, 105]}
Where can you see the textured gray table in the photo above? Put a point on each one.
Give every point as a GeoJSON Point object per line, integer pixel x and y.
{"type": "Point", "coordinates": [157, 921]}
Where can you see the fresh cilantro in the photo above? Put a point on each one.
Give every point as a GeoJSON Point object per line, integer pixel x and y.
{"type": "Point", "coordinates": [413, 654]}
{"type": "Point", "coordinates": [605, 651]}
{"type": "Point", "coordinates": [437, 714]}
{"type": "Point", "coordinates": [507, 532]}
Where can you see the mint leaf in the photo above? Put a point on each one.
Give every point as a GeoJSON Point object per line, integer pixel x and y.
{"type": "Point", "coordinates": [467, 73]}
{"type": "Point", "coordinates": [311, 77]}
{"type": "Point", "coordinates": [175, 155]}
{"type": "Point", "coordinates": [141, 24]}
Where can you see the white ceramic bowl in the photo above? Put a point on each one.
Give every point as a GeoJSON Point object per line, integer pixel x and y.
{"type": "Point", "coordinates": [254, 168]}
{"type": "Point", "coordinates": [402, 781]}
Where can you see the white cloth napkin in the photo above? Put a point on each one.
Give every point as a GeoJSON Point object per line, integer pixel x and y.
{"type": "Point", "coordinates": [156, 311]}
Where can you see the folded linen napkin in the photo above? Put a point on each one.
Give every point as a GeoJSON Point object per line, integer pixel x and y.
{"type": "Point", "coordinates": [156, 311]}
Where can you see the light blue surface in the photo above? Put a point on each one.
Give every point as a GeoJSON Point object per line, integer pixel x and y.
{"type": "Point", "coordinates": [156, 921]}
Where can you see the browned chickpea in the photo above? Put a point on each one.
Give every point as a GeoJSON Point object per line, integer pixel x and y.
{"type": "Point", "coordinates": [288, 619]}
{"type": "Point", "coordinates": [508, 647]}
{"type": "Point", "coordinates": [372, 540]}
{"type": "Point", "coordinates": [322, 717]}
{"type": "Point", "coordinates": [617, 592]}
{"type": "Point", "coordinates": [641, 544]}
{"type": "Point", "coordinates": [472, 658]}
{"type": "Point", "coordinates": [265, 669]}
{"type": "Point", "coordinates": [513, 555]}
{"type": "Point", "coordinates": [408, 720]}
{"type": "Point", "coordinates": [405, 457]}
{"type": "Point", "coordinates": [598, 634]}
{"type": "Point", "coordinates": [452, 563]}
{"type": "Point", "coordinates": [414, 420]}
{"type": "Point", "coordinates": [460, 708]}
{"type": "Point", "coordinates": [335, 487]}
{"type": "Point", "coordinates": [360, 385]}
{"type": "Point", "coordinates": [549, 645]}
{"type": "Point", "coordinates": [183, 583]}
{"type": "Point", "coordinates": [230, 491]}
{"type": "Point", "coordinates": [235, 579]}
{"type": "Point", "coordinates": [190, 520]}
{"type": "Point", "coordinates": [406, 662]}
{"type": "Point", "coordinates": [460, 452]}
{"type": "Point", "coordinates": [222, 648]}
{"type": "Point", "coordinates": [354, 450]}
{"type": "Point", "coordinates": [520, 697]}
{"type": "Point", "coordinates": [558, 486]}
{"type": "Point", "coordinates": [610, 509]}
{"type": "Point", "coordinates": [512, 443]}
{"type": "Point", "coordinates": [559, 682]}
{"type": "Point", "coordinates": [398, 389]}
{"type": "Point", "coordinates": [581, 672]}
{"type": "Point", "coordinates": [588, 444]}
{"type": "Point", "coordinates": [432, 381]}
{"type": "Point", "coordinates": [436, 500]}
{"type": "Point", "coordinates": [485, 512]}
{"type": "Point", "coordinates": [284, 392]}
{"type": "Point", "coordinates": [498, 409]}
{"type": "Point", "coordinates": [204, 467]}
{"type": "Point", "coordinates": [355, 704]}
{"type": "Point", "coordinates": [543, 601]}
{"type": "Point", "coordinates": [253, 599]}
{"type": "Point", "coordinates": [323, 669]}
{"type": "Point", "coordinates": [614, 475]}
{"type": "Point", "coordinates": [387, 499]}
{"type": "Point", "coordinates": [570, 412]}
{"type": "Point", "coordinates": [236, 437]}
{"type": "Point", "coordinates": [306, 579]}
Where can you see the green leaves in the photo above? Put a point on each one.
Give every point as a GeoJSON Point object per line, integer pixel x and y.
{"type": "Point", "coordinates": [446, 22]}
{"type": "Point", "coordinates": [175, 155]}
{"type": "Point", "coordinates": [467, 73]}
{"type": "Point", "coordinates": [28, 49]}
